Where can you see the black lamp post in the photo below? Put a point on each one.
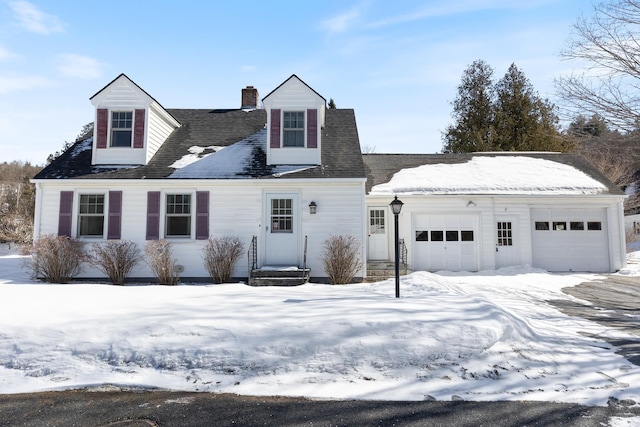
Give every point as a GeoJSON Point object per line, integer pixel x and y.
{"type": "Point", "coordinates": [396, 207]}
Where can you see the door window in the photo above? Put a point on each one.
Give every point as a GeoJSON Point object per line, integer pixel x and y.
{"type": "Point", "coordinates": [282, 215]}
{"type": "Point", "coordinates": [505, 234]}
{"type": "Point", "coordinates": [376, 221]}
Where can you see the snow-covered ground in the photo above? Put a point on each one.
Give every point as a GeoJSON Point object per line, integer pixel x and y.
{"type": "Point", "coordinates": [481, 336]}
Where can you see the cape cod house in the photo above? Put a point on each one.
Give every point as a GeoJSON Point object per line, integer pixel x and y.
{"type": "Point", "coordinates": [286, 175]}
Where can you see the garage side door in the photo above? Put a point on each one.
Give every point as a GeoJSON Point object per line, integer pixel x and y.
{"type": "Point", "coordinates": [444, 242]}
{"type": "Point", "coordinates": [570, 239]}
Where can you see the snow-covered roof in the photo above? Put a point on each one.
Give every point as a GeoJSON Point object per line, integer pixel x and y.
{"type": "Point", "coordinates": [235, 161]}
{"type": "Point", "coordinates": [525, 174]}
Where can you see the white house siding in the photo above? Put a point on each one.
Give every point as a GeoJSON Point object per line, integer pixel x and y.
{"type": "Point", "coordinates": [482, 214]}
{"type": "Point", "coordinates": [157, 131]}
{"type": "Point", "coordinates": [235, 208]}
{"type": "Point", "coordinates": [294, 95]}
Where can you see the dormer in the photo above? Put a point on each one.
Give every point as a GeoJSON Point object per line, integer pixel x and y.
{"type": "Point", "coordinates": [295, 118]}
{"type": "Point", "coordinates": [130, 125]}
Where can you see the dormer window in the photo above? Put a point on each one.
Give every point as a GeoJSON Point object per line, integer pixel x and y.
{"type": "Point", "coordinates": [293, 129]}
{"type": "Point", "coordinates": [121, 128]}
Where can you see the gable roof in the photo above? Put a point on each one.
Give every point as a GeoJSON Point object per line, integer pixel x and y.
{"type": "Point", "coordinates": [484, 173]}
{"type": "Point", "coordinates": [293, 76]}
{"type": "Point", "coordinates": [205, 133]}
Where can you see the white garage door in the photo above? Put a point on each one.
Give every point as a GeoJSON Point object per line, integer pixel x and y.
{"type": "Point", "coordinates": [570, 239]}
{"type": "Point", "coordinates": [444, 242]}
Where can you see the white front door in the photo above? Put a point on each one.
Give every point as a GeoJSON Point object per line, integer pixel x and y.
{"type": "Point", "coordinates": [281, 230]}
{"type": "Point", "coordinates": [378, 241]}
{"type": "Point", "coordinates": [506, 249]}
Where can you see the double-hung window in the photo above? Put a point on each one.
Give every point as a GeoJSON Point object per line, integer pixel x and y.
{"type": "Point", "coordinates": [293, 129]}
{"type": "Point", "coordinates": [178, 215]}
{"type": "Point", "coordinates": [91, 215]}
{"type": "Point", "coordinates": [121, 128]}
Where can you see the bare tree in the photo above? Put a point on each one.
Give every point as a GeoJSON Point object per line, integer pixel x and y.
{"type": "Point", "coordinates": [368, 149]}
{"type": "Point", "coordinates": [607, 41]}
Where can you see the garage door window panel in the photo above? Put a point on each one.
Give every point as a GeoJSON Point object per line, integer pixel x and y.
{"type": "Point", "coordinates": [542, 226]}
{"type": "Point", "coordinates": [576, 226]}
{"type": "Point", "coordinates": [437, 236]}
{"type": "Point", "coordinates": [594, 226]}
{"type": "Point", "coordinates": [452, 236]}
{"type": "Point", "coordinates": [559, 226]}
{"type": "Point", "coordinates": [422, 236]}
{"type": "Point", "coordinates": [466, 235]}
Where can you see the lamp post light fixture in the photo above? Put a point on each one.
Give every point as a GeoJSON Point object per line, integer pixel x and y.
{"type": "Point", "coordinates": [396, 207]}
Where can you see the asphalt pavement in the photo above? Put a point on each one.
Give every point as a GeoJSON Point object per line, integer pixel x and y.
{"type": "Point", "coordinates": [181, 409]}
{"type": "Point", "coordinates": [612, 301]}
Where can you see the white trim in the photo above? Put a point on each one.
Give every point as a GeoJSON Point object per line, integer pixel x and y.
{"type": "Point", "coordinates": [164, 192]}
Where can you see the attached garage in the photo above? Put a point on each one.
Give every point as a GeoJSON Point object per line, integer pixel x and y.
{"type": "Point", "coordinates": [570, 239]}
{"type": "Point", "coordinates": [489, 211]}
{"type": "Point", "coordinates": [445, 242]}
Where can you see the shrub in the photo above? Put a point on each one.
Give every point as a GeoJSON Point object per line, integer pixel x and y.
{"type": "Point", "coordinates": [15, 229]}
{"type": "Point", "coordinates": [115, 259]}
{"type": "Point", "coordinates": [55, 259]}
{"type": "Point", "coordinates": [159, 259]}
{"type": "Point", "coordinates": [221, 254]}
{"type": "Point", "coordinates": [341, 258]}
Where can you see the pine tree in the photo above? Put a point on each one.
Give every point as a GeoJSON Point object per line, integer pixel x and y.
{"type": "Point", "coordinates": [473, 111]}
{"type": "Point", "coordinates": [505, 116]}
{"type": "Point", "coordinates": [523, 121]}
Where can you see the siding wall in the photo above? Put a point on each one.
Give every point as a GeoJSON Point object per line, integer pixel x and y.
{"type": "Point", "coordinates": [123, 95]}
{"type": "Point", "coordinates": [293, 95]}
{"type": "Point", "coordinates": [157, 131]}
{"type": "Point", "coordinates": [489, 209]}
{"type": "Point", "coordinates": [235, 208]}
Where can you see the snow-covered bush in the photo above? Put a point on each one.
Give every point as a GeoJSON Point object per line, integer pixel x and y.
{"type": "Point", "coordinates": [341, 258]}
{"type": "Point", "coordinates": [116, 259]}
{"type": "Point", "coordinates": [221, 254]}
{"type": "Point", "coordinates": [55, 259]}
{"type": "Point", "coordinates": [160, 260]}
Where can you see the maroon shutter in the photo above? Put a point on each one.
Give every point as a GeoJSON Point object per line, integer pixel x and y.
{"type": "Point", "coordinates": [65, 213]}
{"type": "Point", "coordinates": [102, 128]}
{"type": "Point", "coordinates": [312, 128]}
{"type": "Point", "coordinates": [115, 215]}
{"type": "Point", "coordinates": [138, 131]}
{"type": "Point", "coordinates": [153, 215]}
{"type": "Point", "coordinates": [275, 128]}
{"type": "Point", "coordinates": [202, 215]}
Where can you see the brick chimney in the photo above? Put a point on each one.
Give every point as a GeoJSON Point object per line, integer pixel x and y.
{"type": "Point", "coordinates": [249, 98]}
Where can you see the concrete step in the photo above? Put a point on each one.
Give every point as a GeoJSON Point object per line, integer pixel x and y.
{"type": "Point", "coordinates": [377, 271]}
{"type": "Point", "coordinates": [279, 276]}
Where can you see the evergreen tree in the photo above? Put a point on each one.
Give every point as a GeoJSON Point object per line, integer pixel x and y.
{"type": "Point", "coordinates": [581, 127]}
{"type": "Point", "coordinates": [473, 111]}
{"type": "Point", "coordinates": [523, 121]}
{"type": "Point", "coordinates": [332, 104]}
{"type": "Point", "coordinates": [506, 116]}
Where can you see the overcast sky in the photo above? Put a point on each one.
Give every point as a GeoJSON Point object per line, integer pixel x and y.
{"type": "Point", "coordinates": [397, 63]}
